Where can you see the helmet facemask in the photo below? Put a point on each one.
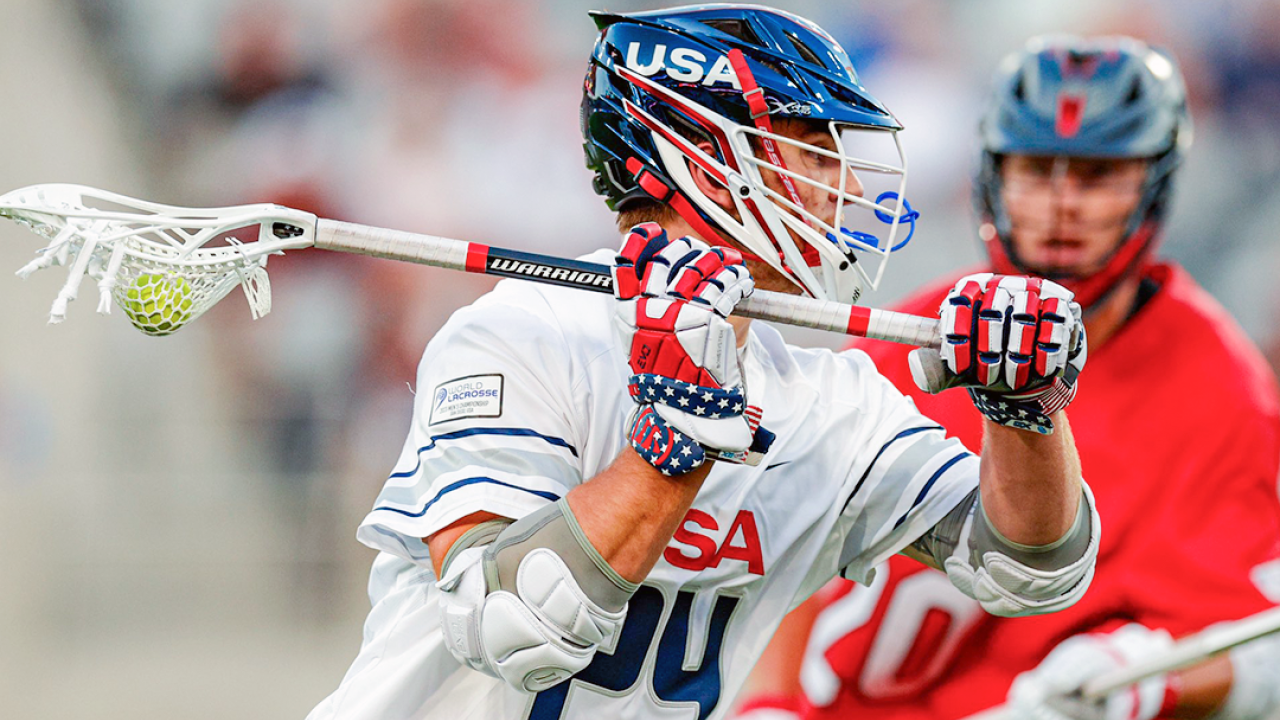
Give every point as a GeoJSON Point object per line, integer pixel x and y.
{"type": "Point", "coordinates": [1138, 221]}
{"type": "Point", "coordinates": [848, 241]}
{"type": "Point", "coordinates": [773, 221]}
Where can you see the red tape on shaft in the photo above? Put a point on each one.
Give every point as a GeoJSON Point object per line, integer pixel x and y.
{"type": "Point", "coordinates": [859, 320]}
{"type": "Point", "coordinates": [477, 257]}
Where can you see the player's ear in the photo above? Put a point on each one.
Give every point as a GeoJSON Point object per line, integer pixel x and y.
{"type": "Point", "coordinates": [708, 186]}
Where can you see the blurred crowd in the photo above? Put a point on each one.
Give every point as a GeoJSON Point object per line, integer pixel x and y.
{"type": "Point", "coordinates": [459, 118]}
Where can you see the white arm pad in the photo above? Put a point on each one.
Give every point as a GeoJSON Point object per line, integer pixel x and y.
{"type": "Point", "coordinates": [1009, 587]}
{"type": "Point", "coordinates": [533, 638]}
{"type": "Point", "coordinates": [534, 605]}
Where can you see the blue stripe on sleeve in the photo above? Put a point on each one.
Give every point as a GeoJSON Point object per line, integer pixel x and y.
{"type": "Point", "coordinates": [929, 485]}
{"type": "Point", "coordinates": [905, 433]}
{"type": "Point", "coordinates": [461, 484]}
{"type": "Point", "coordinates": [399, 542]}
{"type": "Point", "coordinates": [510, 432]}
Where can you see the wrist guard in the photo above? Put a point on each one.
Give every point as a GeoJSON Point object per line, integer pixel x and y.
{"type": "Point", "coordinates": [661, 445]}
{"type": "Point", "coordinates": [1025, 412]}
{"type": "Point", "coordinates": [675, 453]}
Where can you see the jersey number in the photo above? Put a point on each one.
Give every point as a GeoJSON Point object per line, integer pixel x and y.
{"type": "Point", "coordinates": [619, 671]}
{"type": "Point", "coordinates": [925, 618]}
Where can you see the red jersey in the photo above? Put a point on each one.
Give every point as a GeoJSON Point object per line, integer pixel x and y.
{"type": "Point", "coordinates": [1177, 422]}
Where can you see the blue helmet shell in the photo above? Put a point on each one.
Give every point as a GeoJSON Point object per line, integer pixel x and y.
{"type": "Point", "coordinates": [803, 72]}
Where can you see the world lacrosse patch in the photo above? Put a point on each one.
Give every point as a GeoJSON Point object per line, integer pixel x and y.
{"type": "Point", "coordinates": [467, 397]}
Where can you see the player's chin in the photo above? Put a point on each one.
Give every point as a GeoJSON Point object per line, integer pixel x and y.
{"type": "Point", "coordinates": [768, 278]}
{"type": "Point", "coordinates": [1057, 259]}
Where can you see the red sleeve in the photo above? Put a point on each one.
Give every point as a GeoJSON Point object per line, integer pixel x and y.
{"type": "Point", "coordinates": [1192, 563]}
{"type": "Point", "coordinates": [952, 408]}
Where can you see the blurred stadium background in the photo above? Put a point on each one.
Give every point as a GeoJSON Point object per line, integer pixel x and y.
{"type": "Point", "coordinates": [177, 515]}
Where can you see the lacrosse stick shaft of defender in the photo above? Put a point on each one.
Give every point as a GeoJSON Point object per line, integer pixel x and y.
{"type": "Point", "coordinates": [1188, 651]}
{"type": "Point", "coordinates": [477, 258]}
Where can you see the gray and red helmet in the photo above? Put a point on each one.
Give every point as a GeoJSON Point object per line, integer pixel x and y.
{"type": "Point", "coordinates": [1073, 97]}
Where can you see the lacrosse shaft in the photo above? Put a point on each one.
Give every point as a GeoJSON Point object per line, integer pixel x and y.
{"type": "Point", "coordinates": [478, 258]}
{"type": "Point", "coordinates": [1190, 650]}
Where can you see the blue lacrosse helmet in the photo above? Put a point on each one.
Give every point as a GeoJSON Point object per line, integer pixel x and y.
{"type": "Point", "coordinates": [699, 87]}
{"type": "Point", "coordinates": [1097, 98]}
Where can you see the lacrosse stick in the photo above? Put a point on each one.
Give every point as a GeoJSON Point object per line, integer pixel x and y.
{"type": "Point", "coordinates": [165, 265]}
{"type": "Point", "coordinates": [1190, 650]}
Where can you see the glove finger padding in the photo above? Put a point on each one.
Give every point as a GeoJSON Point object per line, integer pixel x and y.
{"type": "Point", "coordinates": [992, 314]}
{"type": "Point", "coordinates": [959, 324]}
{"type": "Point", "coordinates": [723, 290]}
{"type": "Point", "coordinates": [1008, 334]}
{"type": "Point", "coordinates": [1052, 690]}
{"type": "Point", "coordinates": [632, 261]}
{"type": "Point", "coordinates": [673, 268]}
{"type": "Point", "coordinates": [698, 278]}
{"type": "Point", "coordinates": [1018, 343]}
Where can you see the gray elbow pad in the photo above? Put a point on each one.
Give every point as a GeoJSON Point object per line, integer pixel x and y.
{"type": "Point", "coordinates": [555, 528]}
{"type": "Point", "coordinates": [533, 606]}
{"type": "Point", "coordinates": [1010, 579]}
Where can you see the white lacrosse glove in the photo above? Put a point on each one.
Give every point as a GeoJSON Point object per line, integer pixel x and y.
{"type": "Point", "coordinates": [1017, 343]}
{"type": "Point", "coordinates": [674, 296]}
{"type": "Point", "coordinates": [1052, 690]}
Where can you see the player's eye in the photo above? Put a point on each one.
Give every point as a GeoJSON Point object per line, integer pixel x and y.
{"type": "Point", "coordinates": [1040, 167]}
{"type": "Point", "coordinates": [1094, 171]}
{"type": "Point", "coordinates": [817, 158]}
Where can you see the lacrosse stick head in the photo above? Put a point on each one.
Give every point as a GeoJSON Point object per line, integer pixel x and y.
{"type": "Point", "coordinates": [163, 265]}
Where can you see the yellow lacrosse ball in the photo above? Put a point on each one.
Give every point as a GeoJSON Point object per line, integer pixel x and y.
{"type": "Point", "coordinates": [158, 304]}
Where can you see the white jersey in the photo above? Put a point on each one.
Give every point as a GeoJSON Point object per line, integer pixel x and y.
{"type": "Point", "coordinates": [522, 396]}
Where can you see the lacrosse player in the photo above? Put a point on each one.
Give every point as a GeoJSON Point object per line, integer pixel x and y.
{"type": "Point", "coordinates": [1180, 437]}
{"type": "Point", "coordinates": [605, 506]}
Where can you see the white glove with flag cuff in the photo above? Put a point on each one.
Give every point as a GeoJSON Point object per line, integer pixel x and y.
{"type": "Point", "coordinates": [1017, 343]}
{"type": "Point", "coordinates": [674, 296]}
{"type": "Point", "coordinates": [1052, 690]}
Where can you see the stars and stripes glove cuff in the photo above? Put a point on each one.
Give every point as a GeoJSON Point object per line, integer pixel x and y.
{"type": "Point", "coordinates": [662, 446]}
{"type": "Point", "coordinates": [675, 453]}
{"type": "Point", "coordinates": [696, 400]}
{"type": "Point", "coordinates": [1025, 412]}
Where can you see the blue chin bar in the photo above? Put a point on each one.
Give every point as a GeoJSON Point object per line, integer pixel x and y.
{"type": "Point", "coordinates": [856, 240]}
